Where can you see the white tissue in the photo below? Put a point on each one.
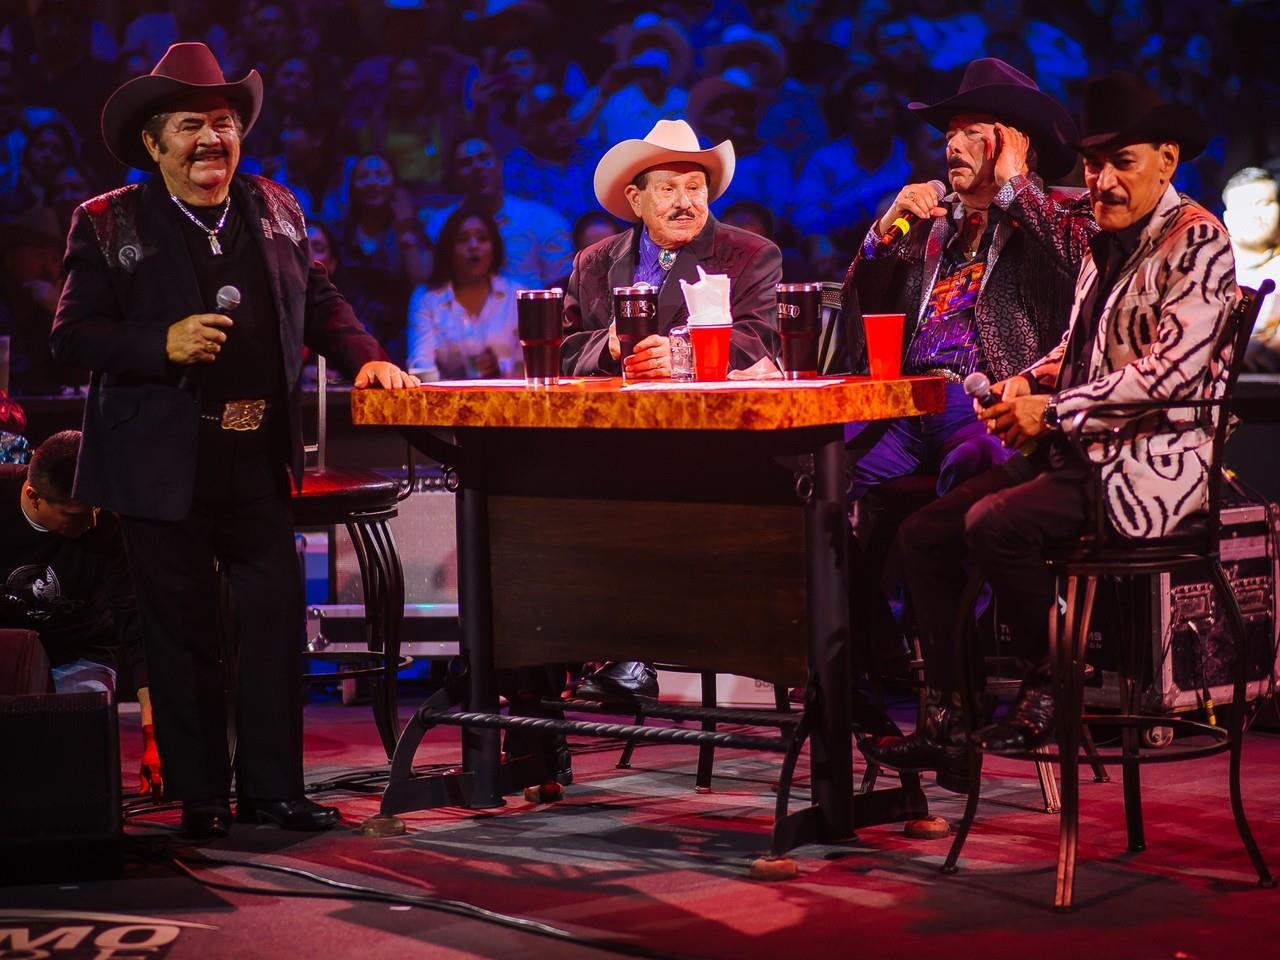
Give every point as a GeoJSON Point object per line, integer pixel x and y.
{"type": "Point", "coordinates": [708, 299]}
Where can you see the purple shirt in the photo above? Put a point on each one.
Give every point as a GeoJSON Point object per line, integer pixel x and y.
{"type": "Point", "coordinates": [947, 337]}
{"type": "Point", "coordinates": [648, 269]}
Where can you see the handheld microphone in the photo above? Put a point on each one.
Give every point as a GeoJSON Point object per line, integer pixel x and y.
{"type": "Point", "coordinates": [228, 298]}
{"type": "Point", "coordinates": [978, 387]}
{"type": "Point", "coordinates": [902, 225]}
{"type": "Point", "coordinates": [192, 378]}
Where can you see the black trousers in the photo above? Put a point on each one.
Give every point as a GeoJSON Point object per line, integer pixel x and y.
{"type": "Point", "coordinates": [240, 517]}
{"type": "Point", "coordinates": [1000, 521]}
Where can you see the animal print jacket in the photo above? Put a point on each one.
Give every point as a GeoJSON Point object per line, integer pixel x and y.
{"type": "Point", "coordinates": [1162, 335]}
{"type": "Point", "coordinates": [1024, 298]}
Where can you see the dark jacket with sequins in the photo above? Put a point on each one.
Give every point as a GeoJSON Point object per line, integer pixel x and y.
{"type": "Point", "coordinates": [1025, 298]}
{"type": "Point", "coordinates": [128, 279]}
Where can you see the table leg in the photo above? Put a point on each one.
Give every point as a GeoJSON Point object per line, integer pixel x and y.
{"type": "Point", "coordinates": [479, 745]}
{"type": "Point", "coordinates": [826, 563]}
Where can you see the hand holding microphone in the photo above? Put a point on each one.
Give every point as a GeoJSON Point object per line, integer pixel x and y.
{"type": "Point", "coordinates": [915, 202]}
{"type": "Point", "coordinates": [199, 337]}
{"type": "Point", "coordinates": [1014, 414]}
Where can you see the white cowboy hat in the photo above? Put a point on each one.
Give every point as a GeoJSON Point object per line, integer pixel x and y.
{"type": "Point", "coordinates": [670, 141]}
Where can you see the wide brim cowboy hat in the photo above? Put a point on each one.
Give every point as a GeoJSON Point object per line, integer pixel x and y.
{"type": "Point", "coordinates": [185, 70]}
{"type": "Point", "coordinates": [734, 83]}
{"type": "Point", "coordinates": [649, 30]}
{"type": "Point", "coordinates": [670, 141]}
{"type": "Point", "coordinates": [990, 86]}
{"type": "Point", "coordinates": [1122, 108]}
{"type": "Point", "coordinates": [739, 43]}
{"type": "Point", "coordinates": [34, 226]}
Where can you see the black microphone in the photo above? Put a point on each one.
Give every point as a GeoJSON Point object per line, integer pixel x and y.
{"type": "Point", "coordinates": [977, 386]}
{"type": "Point", "coordinates": [903, 223]}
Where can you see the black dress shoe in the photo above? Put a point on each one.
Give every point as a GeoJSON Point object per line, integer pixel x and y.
{"type": "Point", "coordinates": [1027, 725]}
{"type": "Point", "coordinates": [205, 819]}
{"type": "Point", "coordinates": [916, 752]}
{"type": "Point", "coordinates": [300, 814]}
{"type": "Point", "coordinates": [621, 680]}
{"type": "Point", "coordinates": [938, 744]}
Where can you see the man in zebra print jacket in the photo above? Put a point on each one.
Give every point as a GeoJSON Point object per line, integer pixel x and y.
{"type": "Point", "coordinates": [1152, 300]}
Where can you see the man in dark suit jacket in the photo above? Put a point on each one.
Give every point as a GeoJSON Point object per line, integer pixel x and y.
{"type": "Point", "coordinates": [665, 183]}
{"type": "Point", "coordinates": [192, 421]}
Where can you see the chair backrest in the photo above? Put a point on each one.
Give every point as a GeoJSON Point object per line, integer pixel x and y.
{"type": "Point", "coordinates": [1243, 316]}
{"type": "Point", "coordinates": [830, 323]}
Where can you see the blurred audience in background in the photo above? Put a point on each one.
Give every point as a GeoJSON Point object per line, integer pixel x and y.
{"type": "Point", "coordinates": [1251, 215]}
{"type": "Point", "coordinates": [462, 323]}
{"type": "Point", "coordinates": [535, 234]}
{"type": "Point", "coordinates": [382, 250]}
{"type": "Point", "coordinates": [385, 115]}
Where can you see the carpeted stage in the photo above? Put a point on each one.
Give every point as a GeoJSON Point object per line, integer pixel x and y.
{"type": "Point", "coordinates": [638, 858]}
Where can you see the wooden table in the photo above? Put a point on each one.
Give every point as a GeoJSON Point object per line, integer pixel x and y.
{"type": "Point", "coordinates": [696, 524]}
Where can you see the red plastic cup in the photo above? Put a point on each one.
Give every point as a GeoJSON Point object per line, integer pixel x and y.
{"type": "Point", "coordinates": [710, 350]}
{"type": "Point", "coordinates": [884, 344]}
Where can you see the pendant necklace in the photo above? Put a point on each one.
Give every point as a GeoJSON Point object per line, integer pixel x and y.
{"type": "Point", "coordinates": [214, 246]}
{"type": "Point", "coordinates": [666, 258]}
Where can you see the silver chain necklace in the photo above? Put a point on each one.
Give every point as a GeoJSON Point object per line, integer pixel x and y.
{"type": "Point", "coordinates": [214, 246]}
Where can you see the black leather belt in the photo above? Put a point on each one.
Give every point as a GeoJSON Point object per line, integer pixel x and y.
{"type": "Point", "coordinates": [235, 414]}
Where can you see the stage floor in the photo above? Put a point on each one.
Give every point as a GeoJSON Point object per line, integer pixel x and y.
{"type": "Point", "coordinates": [637, 857]}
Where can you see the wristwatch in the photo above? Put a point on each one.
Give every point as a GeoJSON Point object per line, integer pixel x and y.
{"type": "Point", "coordinates": [1050, 417]}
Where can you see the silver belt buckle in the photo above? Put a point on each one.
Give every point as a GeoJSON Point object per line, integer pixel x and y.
{"type": "Point", "coordinates": [948, 375]}
{"type": "Point", "coordinates": [243, 414]}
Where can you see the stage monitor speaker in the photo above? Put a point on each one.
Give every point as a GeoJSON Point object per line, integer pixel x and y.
{"type": "Point", "coordinates": [1188, 650]}
{"type": "Point", "coordinates": [424, 532]}
{"type": "Point", "coordinates": [60, 803]}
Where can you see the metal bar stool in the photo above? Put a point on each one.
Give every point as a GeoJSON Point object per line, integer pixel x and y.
{"type": "Point", "coordinates": [1077, 565]}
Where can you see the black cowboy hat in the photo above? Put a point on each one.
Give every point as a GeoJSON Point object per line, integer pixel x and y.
{"type": "Point", "coordinates": [1122, 108]}
{"type": "Point", "coordinates": [185, 69]}
{"type": "Point", "coordinates": [993, 87]}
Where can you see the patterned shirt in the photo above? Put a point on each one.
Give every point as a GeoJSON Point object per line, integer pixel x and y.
{"type": "Point", "coordinates": [947, 337]}
{"type": "Point", "coordinates": [648, 269]}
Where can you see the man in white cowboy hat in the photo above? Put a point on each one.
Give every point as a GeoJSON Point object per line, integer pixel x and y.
{"type": "Point", "coordinates": [985, 280]}
{"type": "Point", "coordinates": [191, 296]}
{"type": "Point", "coordinates": [1151, 306]}
{"type": "Point", "coordinates": [663, 185]}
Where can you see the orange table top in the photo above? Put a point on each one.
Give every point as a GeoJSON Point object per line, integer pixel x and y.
{"type": "Point", "coordinates": [606, 403]}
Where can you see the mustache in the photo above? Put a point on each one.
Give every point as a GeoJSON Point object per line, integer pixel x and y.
{"type": "Point", "coordinates": [1109, 199]}
{"type": "Point", "coordinates": [208, 154]}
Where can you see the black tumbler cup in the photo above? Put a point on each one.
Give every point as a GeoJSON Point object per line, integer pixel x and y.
{"type": "Point", "coordinates": [799, 323]}
{"type": "Point", "coordinates": [540, 323]}
{"type": "Point", "coordinates": [635, 315]}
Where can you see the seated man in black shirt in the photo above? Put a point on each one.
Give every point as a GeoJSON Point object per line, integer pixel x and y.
{"type": "Point", "coordinates": [63, 574]}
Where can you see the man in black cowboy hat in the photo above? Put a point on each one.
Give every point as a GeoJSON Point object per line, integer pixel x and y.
{"type": "Point", "coordinates": [190, 297]}
{"type": "Point", "coordinates": [1151, 303]}
{"type": "Point", "coordinates": [985, 281]}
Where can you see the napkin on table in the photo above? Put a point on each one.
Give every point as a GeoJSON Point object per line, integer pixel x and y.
{"type": "Point", "coordinates": [708, 299]}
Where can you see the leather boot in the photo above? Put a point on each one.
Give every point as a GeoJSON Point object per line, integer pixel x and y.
{"type": "Point", "coordinates": [938, 744]}
{"type": "Point", "coordinates": [1029, 722]}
